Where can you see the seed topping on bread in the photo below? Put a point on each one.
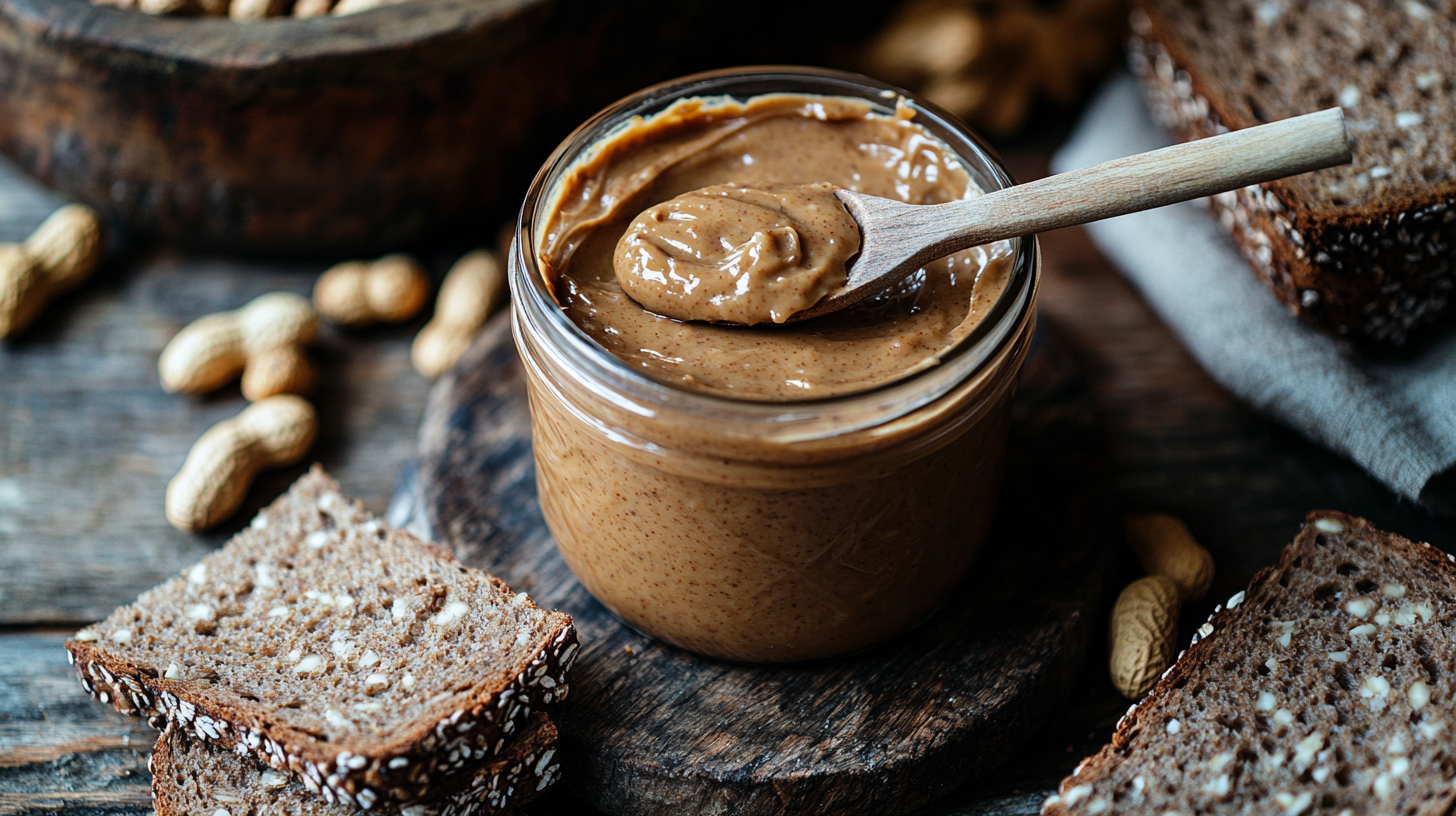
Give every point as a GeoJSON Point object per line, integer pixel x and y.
{"type": "Point", "coordinates": [1326, 685]}
{"type": "Point", "coordinates": [368, 663]}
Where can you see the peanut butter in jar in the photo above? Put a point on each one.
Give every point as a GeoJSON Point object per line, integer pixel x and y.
{"type": "Point", "coordinates": [776, 492]}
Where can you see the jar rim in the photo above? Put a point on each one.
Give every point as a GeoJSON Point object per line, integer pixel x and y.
{"type": "Point", "coordinates": [537, 307]}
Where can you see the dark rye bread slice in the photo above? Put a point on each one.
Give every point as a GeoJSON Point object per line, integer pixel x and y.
{"type": "Point", "coordinates": [1326, 687]}
{"type": "Point", "coordinates": [1363, 250]}
{"type": "Point", "coordinates": [368, 662]}
{"type": "Point", "coordinates": [192, 777]}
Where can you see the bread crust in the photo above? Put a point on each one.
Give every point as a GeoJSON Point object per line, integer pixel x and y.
{"type": "Point", "coordinates": [431, 751]}
{"type": "Point", "coordinates": [1374, 274]}
{"type": "Point", "coordinates": [411, 767]}
{"type": "Point", "coordinates": [1194, 660]}
{"type": "Point", "coordinates": [497, 785]}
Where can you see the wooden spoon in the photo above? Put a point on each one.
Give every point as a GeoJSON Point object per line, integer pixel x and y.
{"type": "Point", "coordinates": [898, 238]}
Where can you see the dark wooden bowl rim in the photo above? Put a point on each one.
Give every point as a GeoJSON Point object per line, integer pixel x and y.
{"type": "Point", "coordinates": [210, 45]}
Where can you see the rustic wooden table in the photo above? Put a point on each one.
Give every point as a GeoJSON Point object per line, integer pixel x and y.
{"type": "Point", "coordinates": [88, 441]}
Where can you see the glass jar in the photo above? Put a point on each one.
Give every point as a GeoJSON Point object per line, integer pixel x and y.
{"type": "Point", "coordinates": [767, 532]}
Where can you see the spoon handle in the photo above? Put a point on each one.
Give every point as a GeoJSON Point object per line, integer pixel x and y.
{"type": "Point", "coordinates": [1147, 180]}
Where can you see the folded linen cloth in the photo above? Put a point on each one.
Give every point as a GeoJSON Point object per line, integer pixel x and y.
{"type": "Point", "coordinates": [1395, 418]}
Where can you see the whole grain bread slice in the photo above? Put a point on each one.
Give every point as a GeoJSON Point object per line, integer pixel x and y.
{"type": "Point", "coordinates": [368, 662]}
{"type": "Point", "coordinates": [1362, 250]}
{"type": "Point", "coordinates": [1326, 687]}
{"type": "Point", "coordinates": [193, 777]}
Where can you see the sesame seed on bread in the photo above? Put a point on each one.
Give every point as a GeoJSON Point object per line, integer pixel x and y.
{"type": "Point", "coordinates": [369, 663]}
{"type": "Point", "coordinates": [1362, 250]}
{"type": "Point", "coordinates": [1326, 687]}
{"type": "Point", "coordinates": [193, 777]}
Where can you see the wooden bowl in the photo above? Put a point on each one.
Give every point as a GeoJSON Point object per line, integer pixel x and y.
{"type": "Point", "coordinates": [335, 134]}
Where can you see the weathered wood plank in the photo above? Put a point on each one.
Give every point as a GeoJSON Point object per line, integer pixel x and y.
{"type": "Point", "coordinates": [88, 439]}
{"type": "Point", "coordinates": [23, 203]}
{"type": "Point", "coordinates": [58, 749]}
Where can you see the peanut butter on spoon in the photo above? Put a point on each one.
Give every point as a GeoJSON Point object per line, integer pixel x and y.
{"type": "Point", "coordinates": [735, 254]}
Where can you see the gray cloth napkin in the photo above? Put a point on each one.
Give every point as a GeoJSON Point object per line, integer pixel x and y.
{"type": "Point", "coordinates": [1397, 419]}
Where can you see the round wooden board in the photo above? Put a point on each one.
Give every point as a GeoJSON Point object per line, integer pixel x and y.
{"type": "Point", "coordinates": [650, 728]}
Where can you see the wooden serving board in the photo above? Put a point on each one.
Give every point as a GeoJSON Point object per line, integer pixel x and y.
{"type": "Point", "coordinates": [650, 728]}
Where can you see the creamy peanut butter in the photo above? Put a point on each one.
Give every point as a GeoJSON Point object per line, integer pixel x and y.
{"type": "Point", "coordinates": [736, 254]}
{"type": "Point", "coordinates": [768, 140]}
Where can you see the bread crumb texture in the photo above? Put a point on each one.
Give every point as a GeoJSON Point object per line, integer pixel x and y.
{"type": "Point", "coordinates": [1361, 250]}
{"type": "Point", "coordinates": [1326, 687]}
{"type": "Point", "coordinates": [326, 643]}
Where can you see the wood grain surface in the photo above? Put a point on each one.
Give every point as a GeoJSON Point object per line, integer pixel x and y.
{"type": "Point", "coordinates": [58, 752]}
{"type": "Point", "coordinates": [1177, 443]}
